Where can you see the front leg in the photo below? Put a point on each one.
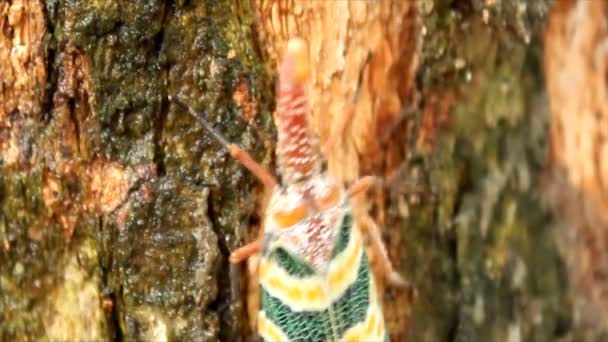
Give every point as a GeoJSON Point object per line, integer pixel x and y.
{"type": "Point", "coordinates": [372, 231]}
{"type": "Point", "coordinates": [361, 185]}
{"type": "Point", "coordinates": [377, 244]}
{"type": "Point", "coordinates": [251, 254]}
{"type": "Point", "coordinates": [244, 252]}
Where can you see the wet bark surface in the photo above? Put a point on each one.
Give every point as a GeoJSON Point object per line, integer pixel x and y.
{"type": "Point", "coordinates": [118, 211]}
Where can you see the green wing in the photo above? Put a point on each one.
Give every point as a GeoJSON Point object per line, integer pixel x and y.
{"type": "Point", "coordinates": [332, 322]}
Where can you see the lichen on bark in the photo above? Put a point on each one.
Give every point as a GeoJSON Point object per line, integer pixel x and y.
{"type": "Point", "coordinates": [477, 244]}
{"type": "Point", "coordinates": [117, 210]}
{"type": "Point", "coordinates": [112, 201]}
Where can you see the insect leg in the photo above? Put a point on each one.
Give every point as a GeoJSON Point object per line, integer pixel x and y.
{"type": "Point", "coordinates": [244, 252]}
{"type": "Point", "coordinates": [373, 232]}
{"type": "Point", "coordinates": [361, 185]}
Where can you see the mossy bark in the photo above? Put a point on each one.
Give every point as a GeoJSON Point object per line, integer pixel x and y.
{"type": "Point", "coordinates": [118, 212]}
{"type": "Point", "coordinates": [481, 250]}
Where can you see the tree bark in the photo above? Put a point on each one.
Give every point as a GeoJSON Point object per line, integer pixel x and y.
{"type": "Point", "coordinates": [118, 211]}
{"type": "Point", "coordinates": [577, 180]}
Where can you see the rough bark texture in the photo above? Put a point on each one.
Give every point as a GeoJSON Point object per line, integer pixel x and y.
{"type": "Point", "coordinates": [22, 56]}
{"type": "Point", "coordinates": [481, 251]}
{"type": "Point", "coordinates": [118, 212]}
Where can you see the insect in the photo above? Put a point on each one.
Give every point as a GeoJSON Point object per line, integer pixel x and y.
{"type": "Point", "coordinates": [315, 278]}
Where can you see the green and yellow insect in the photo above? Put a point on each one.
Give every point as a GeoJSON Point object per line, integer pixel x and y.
{"type": "Point", "coordinates": [315, 279]}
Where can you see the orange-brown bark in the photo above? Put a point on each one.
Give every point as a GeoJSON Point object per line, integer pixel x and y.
{"type": "Point", "coordinates": [576, 68]}
{"type": "Point", "coordinates": [22, 56]}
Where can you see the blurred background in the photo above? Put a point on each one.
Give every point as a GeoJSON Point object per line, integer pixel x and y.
{"type": "Point", "coordinates": [486, 119]}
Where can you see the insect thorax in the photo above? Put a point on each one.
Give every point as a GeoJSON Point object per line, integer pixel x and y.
{"type": "Point", "coordinates": [315, 278]}
{"type": "Point", "coordinates": [304, 219]}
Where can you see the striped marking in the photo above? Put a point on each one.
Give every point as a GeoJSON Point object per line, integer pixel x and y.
{"type": "Point", "coordinates": [297, 147]}
{"type": "Point", "coordinates": [313, 325]}
{"type": "Point", "coordinates": [372, 329]}
{"type": "Point", "coordinates": [309, 293]}
{"type": "Point", "coordinates": [268, 330]}
{"type": "Point", "coordinates": [298, 304]}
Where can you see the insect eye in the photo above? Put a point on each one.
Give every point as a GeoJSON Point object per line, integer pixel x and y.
{"type": "Point", "coordinates": [287, 218]}
{"type": "Point", "coordinates": [330, 199]}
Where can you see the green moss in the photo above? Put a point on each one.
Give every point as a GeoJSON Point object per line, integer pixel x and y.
{"type": "Point", "coordinates": [49, 286]}
{"type": "Point", "coordinates": [209, 50]}
{"type": "Point", "coordinates": [157, 256]}
{"type": "Point", "coordinates": [164, 264]}
{"type": "Point", "coordinates": [22, 261]}
{"type": "Point", "coordinates": [479, 246]}
{"type": "Point", "coordinates": [73, 310]}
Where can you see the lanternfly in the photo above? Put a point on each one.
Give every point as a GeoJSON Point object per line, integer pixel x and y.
{"type": "Point", "coordinates": [315, 279]}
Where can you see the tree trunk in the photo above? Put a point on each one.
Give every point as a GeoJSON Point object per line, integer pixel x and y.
{"type": "Point", "coordinates": [576, 63]}
{"type": "Point", "coordinates": [118, 211]}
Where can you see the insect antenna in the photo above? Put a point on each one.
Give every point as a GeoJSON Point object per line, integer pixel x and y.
{"type": "Point", "coordinates": [216, 135]}
{"type": "Point", "coordinates": [235, 151]}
